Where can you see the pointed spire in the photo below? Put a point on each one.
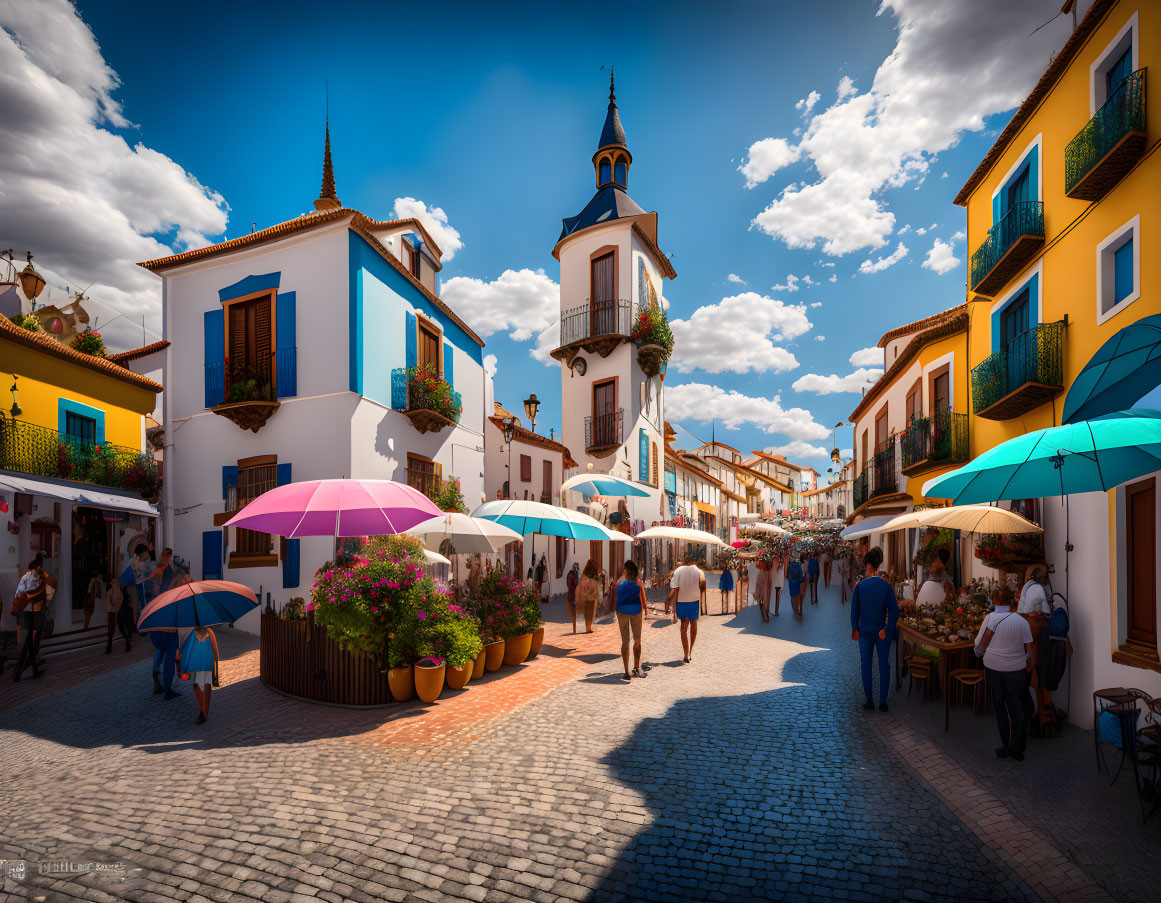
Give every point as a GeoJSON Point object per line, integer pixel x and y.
{"type": "Point", "coordinates": [612, 133]}
{"type": "Point", "coordinates": [327, 198]}
{"type": "Point", "coordinates": [612, 91]}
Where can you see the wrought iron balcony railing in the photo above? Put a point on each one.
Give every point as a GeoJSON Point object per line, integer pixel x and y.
{"type": "Point", "coordinates": [884, 477]}
{"type": "Point", "coordinates": [1108, 146]}
{"type": "Point", "coordinates": [1009, 245]}
{"type": "Point", "coordinates": [38, 451]}
{"type": "Point", "coordinates": [861, 487]}
{"type": "Point", "coordinates": [931, 440]}
{"type": "Point", "coordinates": [604, 430]}
{"type": "Point", "coordinates": [595, 319]}
{"type": "Point", "coordinates": [420, 389]}
{"type": "Point", "coordinates": [1022, 375]}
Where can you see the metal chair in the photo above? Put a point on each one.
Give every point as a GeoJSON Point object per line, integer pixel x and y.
{"type": "Point", "coordinates": [1101, 701]}
{"type": "Point", "coordinates": [963, 679]}
{"type": "Point", "coordinates": [919, 669]}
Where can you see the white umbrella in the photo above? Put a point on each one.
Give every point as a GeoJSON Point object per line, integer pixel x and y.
{"type": "Point", "coordinates": [969, 518]}
{"type": "Point", "coordinates": [682, 533]}
{"type": "Point", "coordinates": [468, 535]}
{"type": "Point", "coordinates": [763, 528]}
{"type": "Point", "coordinates": [435, 557]}
{"type": "Point", "coordinates": [866, 527]}
{"type": "Point", "coordinates": [749, 517]}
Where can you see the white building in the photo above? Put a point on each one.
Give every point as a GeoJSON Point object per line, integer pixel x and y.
{"type": "Point", "coordinates": [294, 356]}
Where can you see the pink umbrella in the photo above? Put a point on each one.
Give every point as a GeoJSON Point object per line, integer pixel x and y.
{"type": "Point", "coordinates": [337, 508]}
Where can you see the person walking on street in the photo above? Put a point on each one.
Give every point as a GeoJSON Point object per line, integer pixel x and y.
{"type": "Point", "coordinates": [827, 561]}
{"type": "Point", "coordinates": [762, 588]}
{"type": "Point", "coordinates": [687, 587]}
{"type": "Point", "coordinates": [570, 583]}
{"type": "Point", "coordinates": [116, 612]}
{"type": "Point", "coordinates": [28, 607]}
{"type": "Point", "coordinates": [1005, 642]}
{"type": "Point", "coordinates": [874, 612]}
{"type": "Point", "coordinates": [812, 571]}
{"type": "Point", "coordinates": [1034, 595]}
{"type": "Point", "coordinates": [630, 606]}
{"type": "Point", "coordinates": [777, 581]}
{"type": "Point", "coordinates": [588, 590]}
{"type": "Point", "coordinates": [726, 588]}
{"type": "Point", "coordinates": [541, 576]}
{"type": "Point", "coordinates": [199, 660]}
{"type": "Point", "coordinates": [794, 577]}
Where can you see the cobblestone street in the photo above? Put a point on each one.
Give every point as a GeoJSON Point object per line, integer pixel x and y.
{"type": "Point", "coordinates": [751, 773]}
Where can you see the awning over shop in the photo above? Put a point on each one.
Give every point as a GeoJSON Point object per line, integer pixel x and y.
{"type": "Point", "coordinates": [865, 527]}
{"type": "Point", "coordinates": [705, 509]}
{"type": "Point", "coordinates": [78, 493]}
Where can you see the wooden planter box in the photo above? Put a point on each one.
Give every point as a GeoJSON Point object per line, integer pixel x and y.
{"type": "Point", "coordinates": [299, 659]}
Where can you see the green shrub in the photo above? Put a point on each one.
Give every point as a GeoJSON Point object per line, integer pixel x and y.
{"type": "Point", "coordinates": [89, 343]}
{"type": "Point", "coordinates": [27, 321]}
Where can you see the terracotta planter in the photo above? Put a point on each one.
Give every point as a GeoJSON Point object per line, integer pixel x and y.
{"type": "Point", "coordinates": [494, 655]}
{"type": "Point", "coordinates": [429, 681]}
{"type": "Point", "coordinates": [516, 649]}
{"type": "Point", "coordinates": [478, 667]}
{"type": "Point", "coordinates": [402, 683]}
{"type": "Point", "coordinates": [457, 678]}
{"type": "Point", "coordinates": [537, 642]}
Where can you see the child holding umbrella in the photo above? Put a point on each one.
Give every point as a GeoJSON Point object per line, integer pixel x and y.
{"type": "Point", "coordinates": [199, 660]}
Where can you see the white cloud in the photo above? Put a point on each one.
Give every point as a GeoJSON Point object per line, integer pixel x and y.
{"type": "Point", "coordinates": [807, 103]}
{"type": "Point", "coordinates": [904, 230]}
{"type": "Point", "coordinates": [959, 236]}
{"type": "Point", "coordinates": [87, 203]}
{"type": "Point", "coordinates": [734, 277]}
{"type": "Point", "coordinates": [922, 230]}
{"type": "Point", "coordinates": [797, 450]}
{"type": "Point", "coordinates": [846, 87]}
{"type": "Point", "coordinates": [833, 278]}
{"type": "Point", "coordinates": [816, 304]}
{"type": "Point", "coordinates": [820, 338]}
{"type": "Point", "coordinates": [790, 285]}
{"type": "Point", "coordinates": [807, 280]}
{"type": "Point", "coordinates": [940, 258]}
{"type": "Point", "coordinates": [708, 340]}
{"type": "Point", "coordinates": [824, 263]}
{"type": "Point", "coordinates": [953, 65]}
{"type": "Point", "coordinates": [868, 357]}
{"type": "Point", "coordinates": [829, 385]}
{"type": "Point", "coordinates": [703, 403]}
{"type": "Point", "coordinates": [524, 302]}
{"type": "Point", "coordinates": [766, 157]}
{"type": "Point", "coordinates": [435, 221]}
{"type": "Point", "coordinates": [490, 362]}
{"type": "Point", "coordinates": [883, 262]}
{"type": "Point", "coordinates": [943, 176]}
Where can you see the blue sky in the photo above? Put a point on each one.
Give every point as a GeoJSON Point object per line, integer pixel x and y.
{"type": "Point", "coordinates": [492, 117]}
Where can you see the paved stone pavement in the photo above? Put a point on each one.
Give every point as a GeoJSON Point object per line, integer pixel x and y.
{"type": "Point", "coordinates": [748, 774]}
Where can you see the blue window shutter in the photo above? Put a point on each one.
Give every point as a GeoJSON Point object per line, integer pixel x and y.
{"type": "Point", "coordinates": [283, 474]}
{"type": "Point", "coordinates": [642, 291]}
{"type": "Point", "coordinates": [229, 479]}
{"type": "Point", "coordinates": [643, 463]}
{"type": "Point", "coordinates": [212, 555]}
{"type": "Point", "coordinates": [290, 569]}
{"type": "Point", "coordinates": [449, 353]}
{"type": "Point", "coordinates": [215, 344]}
{"type": "Point", "coordinates": [1123, 270]}
{"type": "Point", "coordinates": [287, 352]}
{"type": "Point", "coordinates": [410, 325]}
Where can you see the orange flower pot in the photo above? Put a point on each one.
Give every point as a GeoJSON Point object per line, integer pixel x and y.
{"type": "Point", "coordinates": [401, 681]}
{"type": "Point", "coordinates": [457, 678]}
{"type": "Point", "coordinates": [516, 649]}
{"type": "Point", "coordinates": [429, 681]}
{"type": "Point", "coordinates": [478, 667]}
{"type": "Point", "coordinates": [494, 655]}
{"type": "Point", "coordinates": [537, 642]}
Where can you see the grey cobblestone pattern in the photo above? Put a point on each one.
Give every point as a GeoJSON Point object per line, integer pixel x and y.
{"type": "Point", "coordinates": [749, 774]}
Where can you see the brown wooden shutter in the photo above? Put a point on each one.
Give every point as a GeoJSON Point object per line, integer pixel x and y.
{"type": "Point", "coordinates": [263, 341]}
{"type": "Point", "coordinates": [1140, 519]}
{"type": "Point", "coordinates": [237, 338]}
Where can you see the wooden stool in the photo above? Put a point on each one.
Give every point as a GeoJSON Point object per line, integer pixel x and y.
{"type": "Point", "coordinates": [919, 669]}
{"type": "Point", "coordinates": [963, 679]}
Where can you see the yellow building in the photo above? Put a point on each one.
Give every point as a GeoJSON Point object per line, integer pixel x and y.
{"type": "Point", "coordinates": [1061, 216]}
{"type": "Point", "coordinates": [77, 483]}
{"type": "Point", "coordinates": [912, 424]}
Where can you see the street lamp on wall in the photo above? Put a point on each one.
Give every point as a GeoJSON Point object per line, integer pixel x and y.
{"type": "Point", "coordinates": [15, 412]}
{"type": "Point", "coordinates": [508, 428]}
{"type": "Point", "coordinates": [31, 282]}
{"type": "Point", "coordinates": [531, 406]}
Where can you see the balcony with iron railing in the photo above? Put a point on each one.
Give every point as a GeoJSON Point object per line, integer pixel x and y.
{"type": "Point", "coordinates": [1022, 375]}
{"type": "Point", "coordinates": [248, 387]}
{"type": "Point", "coordinates": [604, 432]}
{"type": "Point", "coordinates": [27, 448]}
{"type": "Point", "coordinates": [1010, 245]}
{"type": "Point", "coordinates": [1109, 144]}
{"type": "Point", "coordinates": [595, 326]}
{"type": "Point", "coordinates": [880, 476]}
{"type": "Point", "coordinates": [425, 397]}
{"type": "Point", "coordinates": [930, 441]}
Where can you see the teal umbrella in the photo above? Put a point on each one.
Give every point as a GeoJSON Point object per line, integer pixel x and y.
{"type": "Point", "coordinates": [1089, 456]}
{"type": "Point", "coordinates": [1124, 370]}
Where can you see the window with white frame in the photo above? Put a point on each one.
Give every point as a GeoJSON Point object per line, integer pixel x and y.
{"type": "Point", "coordinates": [1114, 65]}
{"type": "Point", "coordinates": [1119, 270]}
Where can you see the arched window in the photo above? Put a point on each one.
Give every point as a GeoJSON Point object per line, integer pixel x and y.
{"type": "Point", "coordinates": [603, 171]}
{"type": "Point", "coordinates": [621, 171]}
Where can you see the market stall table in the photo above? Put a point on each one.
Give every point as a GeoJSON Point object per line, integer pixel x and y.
{"type": "Point", "coordinates": [946, 652]}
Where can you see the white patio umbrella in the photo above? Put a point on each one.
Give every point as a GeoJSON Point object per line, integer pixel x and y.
{"type": "Point", "coordinates": [969, 518]}
{"type": "Point", "coordinates": [468, 535]}
{"type": "Point", "coordinates": [527, 517]}
{"type": "Point", "coordinates": [685, 534]}
{"type": "Point", "coordinates": [602, 484]}
{"type": "Point", "coordinates": [764, 528]}
{"type": "Point", "coordinates": [866, 527]}
{"type": "Point", "coordinates": [435, 557]}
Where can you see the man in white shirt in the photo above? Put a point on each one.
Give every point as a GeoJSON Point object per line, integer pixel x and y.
{"type": "Point", "coordinates": [931, 594]}
{"type": "Point", "coordinates": [688, 585]}
{"type": "Point", "coordinates": [1034, 597]}
{"type": "Point", "coordinates": [1005, 642]}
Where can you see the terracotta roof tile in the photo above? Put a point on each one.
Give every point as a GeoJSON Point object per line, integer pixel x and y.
{"type": "Point", "coordinates": [920, 325]}
{"type": "Point", "coordinates": [135, 353]}
{"type": "Point", "coordinates": [522, 434]}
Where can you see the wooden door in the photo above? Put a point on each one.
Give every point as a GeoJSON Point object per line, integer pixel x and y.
{"type": "Point", "coordinates": [602, 289]}
{"type": "Point", "coordinates": [941, 392]}
{"type": "Point", "coordinates": [1140, 519]}
{"type": "Point", "coordinates": [547, 493]}
{"type": "Point", "coordinates": [604, 414]}
{"type": "Point", "coordinates": [881, 430]}
{"type": "Point", "coordinates": [429, 348]}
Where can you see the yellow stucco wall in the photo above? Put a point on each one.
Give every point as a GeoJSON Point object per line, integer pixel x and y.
{"type": "Point", "coordinates": [46, 378]}
{"type": "Point", "coordinates": [1074, 228]}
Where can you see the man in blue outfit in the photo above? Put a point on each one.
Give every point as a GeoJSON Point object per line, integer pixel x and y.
{"type": "Point", "coordinates": [874, 612]}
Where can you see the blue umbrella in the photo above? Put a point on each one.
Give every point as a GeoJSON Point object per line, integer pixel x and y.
{"type": "Point", "coordinates": [1124, 370]}
{"type": "Point", "coordinates": [198, 604]}
{"type": "Point", "coordinates": [1090, 456]}
{"type": "Point", "coordinates": [528, 517]}
{"type": "Point", "coordinates": [603, 484]}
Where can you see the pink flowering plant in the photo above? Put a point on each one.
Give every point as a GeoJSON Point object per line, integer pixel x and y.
{"type": "Point", "coordinates": [439, 630]}
{"type": "Point", "coordinates": [506, 608]}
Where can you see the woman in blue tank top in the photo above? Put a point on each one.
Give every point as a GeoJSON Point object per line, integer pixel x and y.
{"type": "Point", "coordinates": [630, 617]}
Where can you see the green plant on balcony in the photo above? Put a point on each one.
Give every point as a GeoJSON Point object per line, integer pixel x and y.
{"type": "Point", "coordinates": [27, 321]}
{"type": "Point", "coordinates": [428, 391]}
{"type": "Point", "coordinates": [447, 495]}
{"type": "Point", "coordinates": [89, 342]}
{"type": "Point", "coordinates": [249, 385]}
{"type": "Point", "coordinates": [654, 339]}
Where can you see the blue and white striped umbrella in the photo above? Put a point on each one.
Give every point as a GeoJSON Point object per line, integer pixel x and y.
{"type": "Point", "coordinates": [603, 484]}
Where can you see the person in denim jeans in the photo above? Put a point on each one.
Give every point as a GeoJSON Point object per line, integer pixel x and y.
{"type": "Point", "coordinates": [874, 611]}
